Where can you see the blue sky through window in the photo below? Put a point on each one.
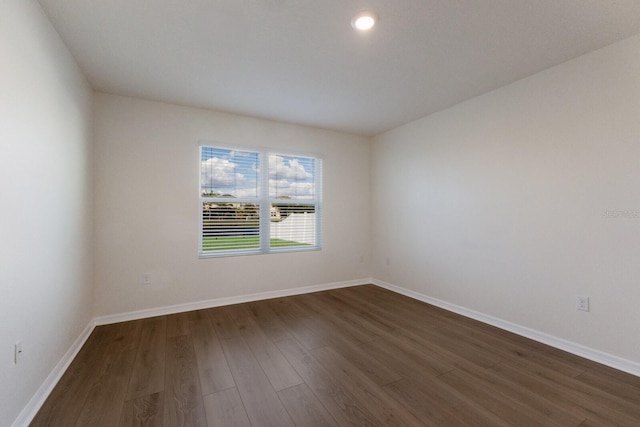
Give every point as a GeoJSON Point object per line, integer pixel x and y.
{"type": "Point", "coordinates": [236, 174]}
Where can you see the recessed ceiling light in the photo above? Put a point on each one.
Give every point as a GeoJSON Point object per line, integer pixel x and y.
{"type": "Point", "coordinates": [364, 21]}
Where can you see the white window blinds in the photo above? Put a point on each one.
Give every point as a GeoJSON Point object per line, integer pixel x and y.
{"type": "Point", "coordinates": [258, 201]}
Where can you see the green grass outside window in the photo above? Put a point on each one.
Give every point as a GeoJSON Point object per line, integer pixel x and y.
{"type": "Point", "coordinates": [242, 242]}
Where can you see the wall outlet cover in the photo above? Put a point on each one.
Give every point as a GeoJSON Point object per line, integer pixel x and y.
{"type": "Point", "coordinates": [17, 353]}
{"type": "Point", "coordinates": [582, 303]}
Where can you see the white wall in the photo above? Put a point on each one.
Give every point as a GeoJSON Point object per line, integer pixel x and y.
{"type": "Point", "coordinates": [146, 207]}
{"type": "Point", "coordinates": [498, 203]}
{"type": "Point", "coordinates": [45, 199]}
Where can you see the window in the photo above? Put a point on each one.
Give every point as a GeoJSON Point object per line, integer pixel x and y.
{"type": "Point", "coordinates": [256, 201]}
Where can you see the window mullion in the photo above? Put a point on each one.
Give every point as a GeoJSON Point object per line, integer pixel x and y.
{"type": "Point", "coordinates": [265, 212]}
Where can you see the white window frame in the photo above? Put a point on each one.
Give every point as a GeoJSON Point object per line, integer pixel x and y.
{"type": "Point", "coordinates": [264, 201]}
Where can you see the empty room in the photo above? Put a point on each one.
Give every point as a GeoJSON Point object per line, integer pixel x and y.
{"type": "Point", "coordinates": [319, 213]}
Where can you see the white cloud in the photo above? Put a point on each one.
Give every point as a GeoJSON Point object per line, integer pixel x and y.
{"type": "Point", "coordinates": [302, 188]}
{"type": "Point", "coordinates": [291, 169]}
{"type": "Point", "coordinates": [217, 172]}
{"type": "Point", "coordinates": [295, 190]}
{"type": "Point", "coordinates": [280, 184]}
{"type": "Point", "coordinates": [248, 192]}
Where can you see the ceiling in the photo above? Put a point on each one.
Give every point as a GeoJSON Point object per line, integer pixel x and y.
{"type": "Point", "coordinates": [300, 61]}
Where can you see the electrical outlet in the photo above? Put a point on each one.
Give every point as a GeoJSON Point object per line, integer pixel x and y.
{"type": "Point", "coordinates": [582, 303]}
{"type": "Point", "coordinates": [146, 279]}
{"type": "Point", "coordinates": [17, 352]}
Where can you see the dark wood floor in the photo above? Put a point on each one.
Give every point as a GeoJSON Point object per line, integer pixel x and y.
{"type": "Point", "coordinates": [356, 356]}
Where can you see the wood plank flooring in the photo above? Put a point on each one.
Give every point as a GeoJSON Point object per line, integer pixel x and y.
{"type": "Point", "coordinates": [360, 356]}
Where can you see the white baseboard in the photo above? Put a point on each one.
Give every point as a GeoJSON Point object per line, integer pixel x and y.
{"type": "Point", "coordinates": [598, 356]}
{"type": "Point", "coordinates": [218, 302]}
{"type": "Point", "coordinates": [29, 412]}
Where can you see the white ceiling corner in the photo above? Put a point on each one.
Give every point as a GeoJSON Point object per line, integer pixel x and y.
{"type": "Point", "coordinates": [300, 61]}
